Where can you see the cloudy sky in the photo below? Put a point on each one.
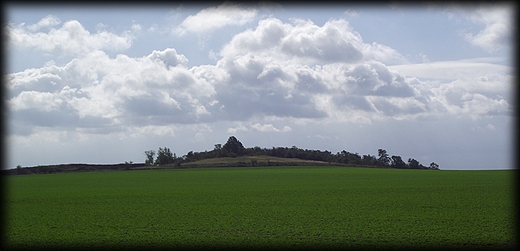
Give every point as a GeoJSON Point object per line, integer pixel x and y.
{"type": "Point", "coordinates": [103, 84]}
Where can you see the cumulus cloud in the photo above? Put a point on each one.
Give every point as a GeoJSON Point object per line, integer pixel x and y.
{"type": "Point", "coordinates": [498, 29]}
{"type": "Point", "coordinates": [304, 42]}
{"type": "Point", "coordinates": [155, 89]}
{"type": "Point", "coordinates": [169, 57]}
{"type": "Point", "coordinates": [239, 128]}
{"type": "Point", "coordinates": [48, 21]}
{"type": "Point", "coordinates": [69, 39]}
{"type": "Point", "coordinates": [279, 69]}
{"type": "Point", "coordinates": [334, 42]}
{"type": "Point", "coordinates": [495, 21]}
{"type": "Point", "coordinates": [42, 101]}
{"type": "Point", "coordinates": [296, 70]}
{"type": "Point", "coordinates": [473, 88]}
{"type": "Point", "coordinates": [213, 18]}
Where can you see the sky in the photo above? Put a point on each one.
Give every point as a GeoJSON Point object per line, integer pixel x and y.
{"type": "Point", "coordinates": [104, 83]}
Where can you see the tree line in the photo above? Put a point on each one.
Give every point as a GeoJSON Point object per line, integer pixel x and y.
{"type": "Point", "coordinates": [234, 148]}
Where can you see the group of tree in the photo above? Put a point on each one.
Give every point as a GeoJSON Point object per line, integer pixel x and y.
{"type": "Point", "coordinates": [234, 148]}
{"type": "Point", "coordinates": [164, 157]}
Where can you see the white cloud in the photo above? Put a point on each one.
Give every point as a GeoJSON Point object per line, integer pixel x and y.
{"type": "Point", "coordinates": [351, 13]}
{"type": "Point", "coordinates": [278, 70]}
{"type": "Point", "coordinates": [319, 136]}
{"type": "Point", "coordinates": [382, 53]}
{"type": "Point", "coordinates": [258, 127]}
{"type": "Point", "coordinates": [272, 65]}
{"type": "Point", "coordinates": [42, 101]}
{"type": "Point", "coordinates": [304, 42]}
{"type": "Point", "coordinates": [150, 130]}
{"type": "Point", "coordinates": [69, 39]}
{"type": "Point", "coordinates": [498, 27]}
{"type": "Point", "coordinates": [48, 21]}
{"type": "Point", "coordinates": [495, 23]}
{"type": "Point", "coordinates": [334, 41]}
{"type": "Point", "coordinates": [269, 128]}
{"type": "Point", "coordinates": [169, 57]}
{"type": "Point", "coordinates": [286, 129]}
{"type": "Point", "coordinates": [238, 129]}
{"type": "Point", "coordinates": [213, 18]}
{"type": "Point", "coordinates": [136, 27]}
{"type": "Point", "coordinates": [452, 70]}
{"type": "Point", "coordinates": [476, 104]}
{"type": "Point", "coordinates": [469, 87]}
{"type": "Point", "coordinates": [155, 89]}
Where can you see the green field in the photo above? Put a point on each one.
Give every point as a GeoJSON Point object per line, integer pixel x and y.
{"type": "Point", "coordinates": [277, 207]}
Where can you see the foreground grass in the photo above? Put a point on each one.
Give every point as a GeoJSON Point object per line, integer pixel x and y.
{"type": "Point", "coordinates": [262, 207]}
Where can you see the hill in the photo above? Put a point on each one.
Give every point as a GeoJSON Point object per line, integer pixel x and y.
{"type": "Point", "coordinates": [234, 154]}
{"type": "Point", "coordinates": [242, 161]}
{"type": "Point", "coordinates": [268, 156]}
{"type": "Point", "coordinates": [76, 167]}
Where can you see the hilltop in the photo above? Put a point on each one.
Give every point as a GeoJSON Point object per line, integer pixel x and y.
{"type": "Point", "coordinates": [234, 151]}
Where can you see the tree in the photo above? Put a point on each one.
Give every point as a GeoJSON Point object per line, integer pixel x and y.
{"type": "Point", "coordinates": [190, 156]}
{"type": "Point", "coordinates": [149, 157]}
{"type": "Point", "coordinates": [218, 150]}
{"type": "Point", "coordinates": [383, 159]}
{"type": "Point", "coordinates": [434, 166]}
{"type": "Point", "coordinates": [19, 169]}
{"type": "Point", "coordinates": [398, 162]}
{"type": "Point", "coordinates": [368, 160]}
{"type": "Point", "coordinates": [128, 164]}
{"type": "Point", "coordinates": [234, 146]}
{"type": "Point", "coordinates": [354, 158]}
{"type": "Point", "coordinates": [412, 163]}
{"type": "Point", "coordinates": [164, 156]}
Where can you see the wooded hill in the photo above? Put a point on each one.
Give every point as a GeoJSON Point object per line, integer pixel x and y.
{"type": "Point", "coordinates": [234, 154]}
{"type": "Point", "coordinates": [233, 148]}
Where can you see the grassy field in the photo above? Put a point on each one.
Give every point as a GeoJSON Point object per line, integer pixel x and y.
{"type": "Point", "coordinates": [277, 207]}
{"type": "Point", "coordinates": [243, 161]}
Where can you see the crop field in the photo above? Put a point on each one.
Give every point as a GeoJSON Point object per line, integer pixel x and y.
{"type": "Point", "coordinates": [276, 207]}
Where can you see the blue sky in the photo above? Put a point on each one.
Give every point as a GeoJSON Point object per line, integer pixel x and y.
{"type": "Point", "coordinates": [103, 84]}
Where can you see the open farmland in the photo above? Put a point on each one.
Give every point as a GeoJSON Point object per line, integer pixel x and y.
{"type": "Point", "coordinates": [277, 207]}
